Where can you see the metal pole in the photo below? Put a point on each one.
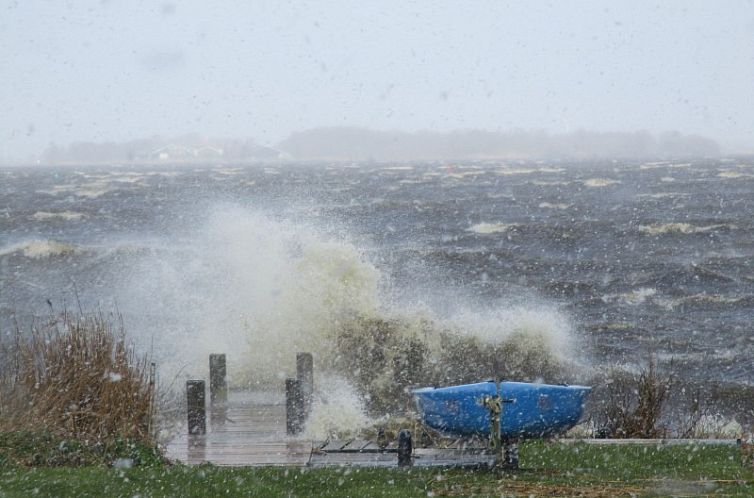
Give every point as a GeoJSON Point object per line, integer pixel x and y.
{"type": "Point", "coordinates": [293, 406]}
{"type": "Point", "coordinates": [195, 402]}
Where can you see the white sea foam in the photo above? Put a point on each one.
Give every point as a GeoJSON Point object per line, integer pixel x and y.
{"type": "Point", "coordinates": [673, 303]}
{"type": "Point", "coordinates": [682, 228]}
{"type": "Point", "coordinates": [734, 174]}
{"type": "Point", "coordinates": [537, 327]}
{"type": "Point", "coordinates": [635, 297]}
{"type": "Point", "coordinates": [516, 171]}
{"type": "Point", "coordinates": [39, 249]}
{"type": "Point", "coordinates": [338, 412]}
{"type": "Point", "coordinates": [490, 228]}
{"type": "Point", "coordinates": [60, 215]}
{"type": "Point", "coordinates": [398, 168]}
{"type": "Point", "coordinates": [664, 195]}
{"type": "Point", "coordinates": [547, 205]}
{"type": "Point", "coordinates": [91, 190]}
{"type": "Point", "coordinates": [600, 182]}
{"type": "Point", "coordinates": [258, 289]}
{"type": "Point", "coordinates": [550, 183]}
{"type": "Point", "coordinates": [261, 290]}
{"type": "Point", "coordinates": [654, 165]}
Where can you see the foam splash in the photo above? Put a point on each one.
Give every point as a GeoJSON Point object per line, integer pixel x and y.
{"type": "Point", "coordinates": [262, 290]}
{"type": "Point", "coordinates": [338, 412]}
{"type": "Point", "coordinates": [539, 327]}
{"type": "Point", "coordinates": [254, 288]}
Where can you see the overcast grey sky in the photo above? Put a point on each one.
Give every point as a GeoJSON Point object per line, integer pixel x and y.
{"type": "Point", "coordinates": [118, 70]}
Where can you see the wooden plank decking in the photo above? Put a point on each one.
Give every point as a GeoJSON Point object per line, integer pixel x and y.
{"type": "Point", "coordinates": [253, 433]}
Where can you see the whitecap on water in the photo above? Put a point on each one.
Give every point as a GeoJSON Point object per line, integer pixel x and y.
{"type": "Point", "coordinates": [39, 249]}
{"type": "Point", "coordinates": [600, 182]}
{"type": "Point", "coordinates": [548, 205]}
{"type": "Point", "coordinates": [490, 228]}
{"type": "Point", "coordinates": [60, 215]}
{"type": "Point", "coordinates": [682, 228]}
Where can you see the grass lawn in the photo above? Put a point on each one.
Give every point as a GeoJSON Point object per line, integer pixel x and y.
{"type": "Point", "coordinates": [548, 470]}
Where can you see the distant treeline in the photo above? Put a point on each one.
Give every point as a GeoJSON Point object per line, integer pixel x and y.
{"type": "Point", "coordinates": [365, 144]}
{"type": "Point", "coordinates": [361, 144]}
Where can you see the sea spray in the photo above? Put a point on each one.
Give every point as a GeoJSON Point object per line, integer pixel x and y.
{"type": "Point", "coordinates": [338, 411]}
{"type": "Point", "coordinates": [257, 289]}
{"type": "Point", "coordinates": [261, 290]}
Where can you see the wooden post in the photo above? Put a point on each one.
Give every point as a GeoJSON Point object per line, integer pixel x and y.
{"type": "Point", "coordinates": [405, 448]}
{"type": "Point", "coordinates": [195, 401]}
{"type": "Point", "coordinates": [218, 389]}
{"type": "Point", "coordinates": [305, 374]}
{"type": "Point", "coordinates": [218, 385]}
{"type": "Point", "coordinates": [294, 419]}
{"type": "Point", "coordinates": [510, 454]}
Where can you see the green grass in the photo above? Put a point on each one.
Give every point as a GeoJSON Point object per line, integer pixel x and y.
{"type": "Point", "coordinates": [548, 470]}
{"type": "Point", "coordinates": [44, 449]}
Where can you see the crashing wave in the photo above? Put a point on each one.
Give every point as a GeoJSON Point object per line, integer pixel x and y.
{"type": "Point", "coordinates": [263, 290]}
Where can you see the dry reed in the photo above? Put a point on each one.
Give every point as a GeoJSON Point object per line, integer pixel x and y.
{"type": "Point", "coordinates": [77, 378]}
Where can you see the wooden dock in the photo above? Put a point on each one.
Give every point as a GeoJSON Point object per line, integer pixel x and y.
{"type": "Point", "coordinates": [253, 433]}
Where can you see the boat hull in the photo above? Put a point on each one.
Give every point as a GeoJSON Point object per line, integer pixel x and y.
{"type": "Point", "coordinates": [533, 410]}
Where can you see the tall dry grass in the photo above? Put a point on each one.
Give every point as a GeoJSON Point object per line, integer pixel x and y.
{"type": "Point", "coordinates": [76, 377]}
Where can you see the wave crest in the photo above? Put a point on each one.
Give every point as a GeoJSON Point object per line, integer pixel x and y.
{"type": "Point", "coordinates": [39, 249]}
{"type": "Point", "coordinates": [683, 228]}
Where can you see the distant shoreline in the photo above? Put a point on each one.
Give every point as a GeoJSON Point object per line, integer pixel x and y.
{"type": "Point", "coordinates": [351, 144]}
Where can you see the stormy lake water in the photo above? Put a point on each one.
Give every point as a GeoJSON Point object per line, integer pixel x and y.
{"type": "Point", "coordinates": [609, 261]}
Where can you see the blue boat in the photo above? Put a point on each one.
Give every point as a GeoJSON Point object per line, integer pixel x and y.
{"type": "Point", "coordinates": [528, 410]}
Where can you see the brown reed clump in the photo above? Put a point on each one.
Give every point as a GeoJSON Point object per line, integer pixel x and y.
{"type": "Point", "coordinates": [77, 378]}
{"type": "Point", "coordinates": [635, 403]}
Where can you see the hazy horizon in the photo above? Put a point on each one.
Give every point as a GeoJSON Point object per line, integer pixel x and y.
{"type": "Point", "coordinates": [102, 71]}
{"type": "Point", "coordinates": [367, 145]}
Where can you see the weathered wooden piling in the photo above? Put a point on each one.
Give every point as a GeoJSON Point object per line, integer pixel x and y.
{"type": "Point", "coordinates": [405, 448]}
{"type": "Point", "coordinates": [305, 374]}
{"type": "Point", "coordinates": [218, 389]}
{"type": "Point", "coordinates": [510, 454]}
{"type": "Point", "coordinates": [195, 402]}
{"type": "Point", "coordinates": [294, 406]}
{"type": "Point", "coordinates": [218, 385]}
